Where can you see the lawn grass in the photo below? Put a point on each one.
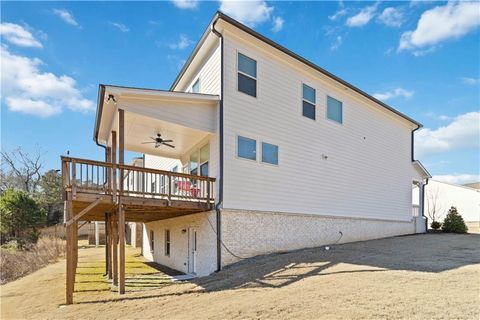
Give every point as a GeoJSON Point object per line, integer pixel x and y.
{"type": "Point", "coordinates": [138, 275]}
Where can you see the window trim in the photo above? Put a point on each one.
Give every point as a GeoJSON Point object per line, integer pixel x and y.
{"type": "Point", "coordinates": [236, 148]}
{"type": "Point", "coordinates": [326, 110]}
{"type": "Point", "coordinates": [278, 154]}
{"type": "Point", "coordinates": [307, 101]}
{"type": "Point", "coordinates": [247, 75]}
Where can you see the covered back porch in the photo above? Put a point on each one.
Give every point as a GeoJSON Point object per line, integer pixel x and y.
{"type": "Point", "coordinates": [132, 119]}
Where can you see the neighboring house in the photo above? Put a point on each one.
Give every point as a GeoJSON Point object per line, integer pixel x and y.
{"type": "Point", "coordinates": [300, 157]}
{"type": "Point", "coordinates": [441, 196]}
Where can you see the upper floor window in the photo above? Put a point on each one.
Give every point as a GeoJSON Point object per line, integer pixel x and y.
{"type": "Point", "coordinates": [196, 86]}
{"type": "Point", "coordinates": [246, 148]}
{"type": "Point", "coordinates": [308, 102]}
{"type": "Point", "coordinates": [247, 75]}
{"type": "Point", "coordinates": [269, 153]}
{"type": "Point", "coordinates": [334, 110]}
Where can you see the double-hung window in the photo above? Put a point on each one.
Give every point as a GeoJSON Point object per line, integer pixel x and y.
{"type": "Point", "coordinates": [247, 75]}
{"type": "Point", "coordinates": [334, 110]}
{"type": "Point", "coordinates": [308, 102]}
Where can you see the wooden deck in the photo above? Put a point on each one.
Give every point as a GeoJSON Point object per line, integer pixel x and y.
{"type": "Point", "coordinates": [117, 193]}
{"type": "Point", "coordinates": [146, 194]}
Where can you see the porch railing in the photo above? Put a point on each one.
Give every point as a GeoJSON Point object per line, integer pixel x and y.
{"type": "Point", "coordinates": [98, 177]}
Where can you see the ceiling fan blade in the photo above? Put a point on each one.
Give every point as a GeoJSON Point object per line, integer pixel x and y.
{"type": "Point", "coordinates": [167, 140]}
{"type": "Point", "coordinates": [168, 145]}
{"type": "Point", "coordinates": [148, 142]}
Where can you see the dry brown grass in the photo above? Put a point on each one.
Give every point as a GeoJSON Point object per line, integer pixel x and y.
{"type": "Point", "coordinates": [18, 263]}
{"type": "Point", "coordinates": [430, 276]}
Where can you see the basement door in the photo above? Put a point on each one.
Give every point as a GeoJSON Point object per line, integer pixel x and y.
{"type": "Point", "coordinates": [192, 250]}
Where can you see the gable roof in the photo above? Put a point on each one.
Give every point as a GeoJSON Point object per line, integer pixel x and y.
{"type": "Point", "coordinates": [237, 24]}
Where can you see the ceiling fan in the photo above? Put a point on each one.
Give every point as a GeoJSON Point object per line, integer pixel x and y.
{"type": "Point", "coordinates": [159, 141]}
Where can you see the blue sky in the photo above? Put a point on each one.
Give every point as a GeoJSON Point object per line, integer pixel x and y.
{"type": "Point", "coordinates": [419, 57]}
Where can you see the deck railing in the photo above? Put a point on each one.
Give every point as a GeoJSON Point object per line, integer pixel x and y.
{"type": "Point", "coordinates": [90, 176]}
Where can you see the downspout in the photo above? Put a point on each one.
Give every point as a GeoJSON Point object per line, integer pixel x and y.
{"type": "Point", "coordinates": [218, 205]}
{"type": "Point", "coordinates": [423, 205]}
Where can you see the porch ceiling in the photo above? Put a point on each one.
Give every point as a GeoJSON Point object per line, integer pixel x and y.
{"type": "Point", "coordinates": [140, 128]}
{"type": "Point", "coordinates": [185, 118]}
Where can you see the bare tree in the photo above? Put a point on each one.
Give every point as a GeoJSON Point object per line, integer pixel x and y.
{"type": "Point", "coordinates": [434, 208]}
{"type": "Point", "coordinates": [21, 170]}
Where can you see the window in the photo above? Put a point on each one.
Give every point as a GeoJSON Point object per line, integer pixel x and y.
{"type": "Point", "coordinates": [152, 241]}
{"type": "Point", "coordinates": [308, 102]}
{"type": "Point", "coordinates": [204, 156]}
{"type": "Point", "coordinates": [247, 75]}
{"type": "Point", "coordinates": [194, 163]}
{"type": "Point", "coordinates": [247, 148]}
{"type": "Point", "coordinates": [167, 242]}
{"type": "Point", "coordinates": [269, 153]}
{"type": "Point", "coordinates": [334, 110]}
{"type": "Point", "coordinates": [196, 86]}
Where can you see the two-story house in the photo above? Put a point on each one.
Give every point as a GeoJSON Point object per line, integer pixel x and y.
{"type": "Point", "coordinates": [300, 157]}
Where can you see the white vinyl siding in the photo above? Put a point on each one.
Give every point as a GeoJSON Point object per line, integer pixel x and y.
{"type": "Point", "coordinates": [367, 169]}
{"type": "Point", "coordinates": [209, 75]}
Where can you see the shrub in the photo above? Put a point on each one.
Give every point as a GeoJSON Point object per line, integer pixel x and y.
{"type": "Point", "coordinates": [18, 263]}
{"type": "Point", "coordinates": [454, 222]}
{"type": "Point", "coordinates": [435, 225]}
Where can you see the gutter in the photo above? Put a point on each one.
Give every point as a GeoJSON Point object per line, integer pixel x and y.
{"type": "Point", "coordinates": [98, 115]}
{"type": "Point", "coordinates": [220, 181]}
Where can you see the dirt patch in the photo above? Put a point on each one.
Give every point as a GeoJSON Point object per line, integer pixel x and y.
{"type": "Point", "coordinates": [413, 277]}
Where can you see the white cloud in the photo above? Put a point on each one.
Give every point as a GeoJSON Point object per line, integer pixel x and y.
{"type": "Point", "coordinates": [185, 4]}
{"type": "Point", "coordinates": [442, 23]}
{"type": "Point", "coordinates": [397, 92]}
{"type": "Point", "coordinates": [119, 26]}
{"type": "Point", "coordinates": [337, 43]}
{"type": "Point", "coordinates": [250, 12]}
{"type": "Point", "coordinates": [28, 90]}
{"type": "Point", "coordinates": [18, 35]}
{"type": "Point", "coordinates": [458, 178]}
{"type": "Point", "coordinates": [340, 13]}
{"type": "Point", "coordinates": [182, 43]}
{"type": "Point", "coordinates": [66, 16]}
{"type": "Point", "coordinates": [277, 24]}
{"type": "Point", "coordinates": [470, 81]}
{"type": "Point", "coordinates": [392, 17]}
{"type": "Point", "coordinates": [462, 133]}
{"type": "Point", "coordinates": [363, 17]}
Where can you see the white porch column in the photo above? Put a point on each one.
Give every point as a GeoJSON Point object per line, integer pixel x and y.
{"type": "Point", "coordinates": [97, 234]}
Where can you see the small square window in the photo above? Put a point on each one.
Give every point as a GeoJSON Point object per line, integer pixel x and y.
{"type": "Point", "coordinates": [269, 153]}
{"type": "Point", "coordinates": [246, 148]}
{"type": "Point", "coordinates": [334, 110]}
{"type": "Point", "coordinates": [196, 86]}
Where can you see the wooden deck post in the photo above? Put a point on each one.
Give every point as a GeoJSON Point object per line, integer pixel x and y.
{"type": "Point", "coordinates": [114, 167]}
{"type": "Point", "coordinates": [121, 210]}
{"type": "Point", "coordinates": [121, 247]}
{"type": "Point", "coordinates": [114, 249]}
{"type": "Point", "coordinates": [69, 251]}
{"type": "Point", "coordinates": [108, 271]}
